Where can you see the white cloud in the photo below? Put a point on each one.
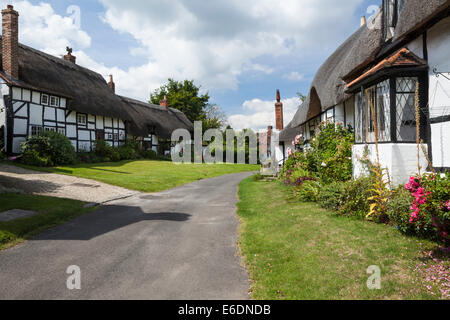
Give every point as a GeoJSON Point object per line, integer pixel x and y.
{"type": "Point", "coordinates": [40, 27]}
{"type": "Point", "coordinates": [294, 76]}
{"type": "Point", "coordinates": [261, 114]}
{"type": "Point", "coordinates": [214, 42]}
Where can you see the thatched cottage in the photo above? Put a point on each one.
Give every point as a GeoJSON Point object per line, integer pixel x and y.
{"type": "Point", "coordinates": [42, 92]}
{"type": "Point", "coordinates": [407, 42]}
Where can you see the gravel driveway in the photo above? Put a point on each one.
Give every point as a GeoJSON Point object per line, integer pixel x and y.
{"type": "Point", "coordinates": [60, 186]}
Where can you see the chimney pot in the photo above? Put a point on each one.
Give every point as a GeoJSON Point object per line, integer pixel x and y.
{"type": "Point", "coordinates": [279, 113]}
{"type": "Point", "coordinates": [164, 103]}
{"type": "Point", "coordinates": [10, 42]}
{"type": "Point", "coordinates": [363, 21]}
{"type": "Point", "coordinates": [111, 83]}
{"type": "Point", "coordinates": [69, 57]}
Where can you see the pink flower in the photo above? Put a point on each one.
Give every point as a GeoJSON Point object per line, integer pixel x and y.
{"type": "Point", "coordinates": [289, 152]}
{"type": "Point", "coordinates": [447, 204]}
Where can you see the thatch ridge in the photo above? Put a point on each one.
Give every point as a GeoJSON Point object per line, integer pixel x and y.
{"type": "Point", "coordinates": [87, 90]}
{"type": "Point", "coordinates": [145, 115]}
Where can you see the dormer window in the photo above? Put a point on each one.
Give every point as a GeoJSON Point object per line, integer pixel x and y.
{"type": "Point", "coordinates": [44, 99]}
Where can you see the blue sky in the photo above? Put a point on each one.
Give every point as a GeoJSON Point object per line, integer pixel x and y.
{"type": "Point", "coordinates": [240, 51]}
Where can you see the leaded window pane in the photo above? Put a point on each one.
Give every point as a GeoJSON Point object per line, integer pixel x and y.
{"type": "Point", "coordinates": [359, 118]}
{"type": "Point", "coordinates": [405, 109]}
{"type": "Point", "coordinates": [383, 111]}
{"type": "Point", "coordinates": [406, 85]}
{"type": "Point", "coordinates": [378, 98]}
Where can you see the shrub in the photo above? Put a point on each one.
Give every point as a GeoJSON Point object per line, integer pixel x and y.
{"type": "Point", "coordinates": [308, 191]}
{"type": "Point", "coordinates": [398, 210]}
{"type": "Point", "coordinates": [115, 155]}
{"type": "Point", "coordinates": [32, 157]}
{"type": "Point", "coordinates": [88, 157]}
{"type": "Point", "coordinates": [331, 196]}
{"type": "Point", "coordinates": [6, 237]}
{"type": "Point", "coordinates": [127, 152]}
{"type": "Point", "coordinates": [102, 149]}
{"type": "Point", "coordinates": [48, 149]}
{"type": "Point", "coordinates": [150, 155]}
{"type": "Point", "coordinates": [328, 157]}
{"type": "Point", "coordinates": [332, 147]}
{"type": "Point", "coordinates": [106, 152]}
{"type": "Point", "coordinates": [355, 198]}
{"type": "Point", "coordinates": [430, 209]}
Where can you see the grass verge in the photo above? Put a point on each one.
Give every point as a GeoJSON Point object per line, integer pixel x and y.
{"type": "Point", "coordinates": [51, 213]}
{"type": "Point", "coordinates": [148, 176]}
{"type": "Point", "coordinates": [296, 250]}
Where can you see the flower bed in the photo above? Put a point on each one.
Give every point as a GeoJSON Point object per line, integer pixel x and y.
{"type": "Point", "coordinates": [322, 172]}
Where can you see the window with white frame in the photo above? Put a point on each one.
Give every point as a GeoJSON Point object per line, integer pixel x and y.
{"type": "Point", "coordinates": [116, 137]}
{"type": "Point", "coordinates": [52, 129]}
{"type": "Point", "coordinates": [62, 131]}
{"type": "Point", "coordinates": [36, 130]}
{"type": "Point", "coordinates": [54, 101]}
{"type": "Point", "coordinates": [44, 99]}
{"type": "Point", "coordinates": [81, 119]}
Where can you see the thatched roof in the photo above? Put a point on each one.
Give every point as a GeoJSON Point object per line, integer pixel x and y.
{"type": "Point", "coordinates": [328, 87]}
{"type": "Point", "coordinates": [352, 58]}
{"type": "Point", "coordinates": [145, 115]}
{"type": "Point", "coordinates": [289, 133]}
{"type": "Point", "coordinates": [87, 90]}
{"type": "Point", "coordinates": [416, 13]}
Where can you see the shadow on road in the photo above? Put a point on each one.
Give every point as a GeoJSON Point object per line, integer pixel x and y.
{"type": "Point", "coordinates": [108, 219]}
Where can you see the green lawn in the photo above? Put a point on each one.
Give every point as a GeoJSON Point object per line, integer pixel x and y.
{"type": "Point", "coordinates": [51, 213]}
{"type": "Point", "coordinates": [295, 250]}
{"type": "Point", "coordinates": [148, 176]}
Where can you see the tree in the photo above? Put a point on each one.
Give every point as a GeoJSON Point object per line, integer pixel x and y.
{"type": "Point", "coordinates": [185, 96]}
{"type": "Point", "coordinates": [301, 96]}
{"type": "Point", "coordinates": [215, 118]}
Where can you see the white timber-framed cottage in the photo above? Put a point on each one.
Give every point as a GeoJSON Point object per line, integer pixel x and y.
{"type": "Point", "coordinates": [40, 92]}
{"type": "Point", "coordinates": [407, 42]}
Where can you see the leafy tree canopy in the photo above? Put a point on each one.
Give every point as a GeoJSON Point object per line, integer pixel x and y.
{"type": "Point", "coordinates": [185, 96]}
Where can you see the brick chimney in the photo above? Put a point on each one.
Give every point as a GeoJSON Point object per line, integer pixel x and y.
{"type": "Point", "coordinates": [111, 84]}
{"type": "Point", "coordinates": [69, 57]}
{"type": "Point", "coordinates": [10, 42]}
{"type": "Point", "coordinates": [279, 113]}
{"type": "Point", "coordinates": [164, 103]}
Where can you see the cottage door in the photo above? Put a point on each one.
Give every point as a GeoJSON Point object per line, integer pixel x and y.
{"type": "Point", "coordinates": [100, 135]}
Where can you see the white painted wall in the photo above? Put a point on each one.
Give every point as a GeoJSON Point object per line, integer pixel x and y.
{"type": "Point", "coordinates": [339, 112]}
{"type": "Point", "coordinates": [416, 47]}
{"type": "Point", "coordinates": [438, 41]}
{"type": "Point", "coordinates": [399, 159]}
{"type": "Point", "coordinates": [440, 139]}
